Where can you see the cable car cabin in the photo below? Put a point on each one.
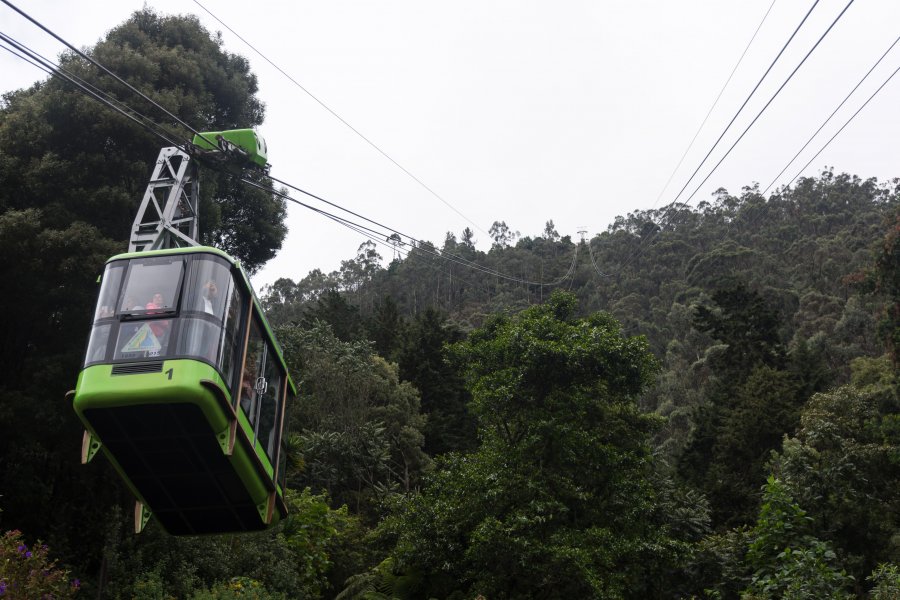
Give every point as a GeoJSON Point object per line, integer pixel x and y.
{"type": "Point", "coordinates": [185, 389]}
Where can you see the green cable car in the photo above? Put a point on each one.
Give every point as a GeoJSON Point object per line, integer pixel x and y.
{"type": "Point", "coordinates": [184, 387]}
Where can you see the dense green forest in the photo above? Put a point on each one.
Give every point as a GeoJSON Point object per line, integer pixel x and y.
{"type": "Point", "coordinates": [698, 402]}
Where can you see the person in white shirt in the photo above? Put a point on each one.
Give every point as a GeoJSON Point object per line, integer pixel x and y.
{"type": "Point", "coordinates": [208, 295]}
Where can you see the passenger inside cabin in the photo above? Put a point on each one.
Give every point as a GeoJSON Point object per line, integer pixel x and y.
{"type": "Point", "coordinates": [159, 328]}
{"type": "Point", "coordinates": [208, 296]}
{"type": "Point", "coordinates": [156, 301]}
{"type": "Point", "coordinates": [248, 393]}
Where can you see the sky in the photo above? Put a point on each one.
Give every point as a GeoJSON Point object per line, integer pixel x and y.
{"type": "Point", "coordinates": [525, 111]}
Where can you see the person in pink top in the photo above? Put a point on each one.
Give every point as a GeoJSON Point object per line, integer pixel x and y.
{"type": "Point", "coordinates": [159, 328]}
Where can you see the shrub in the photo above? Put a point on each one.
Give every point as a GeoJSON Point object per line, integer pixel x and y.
{"type": "Point", "coordinates": [28, 572]}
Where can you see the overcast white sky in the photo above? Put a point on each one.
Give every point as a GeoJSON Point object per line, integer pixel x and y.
{"type": "Point", "coordinates": [525, 111]}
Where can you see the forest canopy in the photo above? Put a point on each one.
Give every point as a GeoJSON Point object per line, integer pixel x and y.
{"type": "Point", "coordinates": [697, 402]}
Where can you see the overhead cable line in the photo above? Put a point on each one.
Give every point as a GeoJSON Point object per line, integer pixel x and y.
{"type": "Point", "coordinates": [594, 262]}
{"type": "Point", "coordinates": [751, 223]}
{"type": "Point", "coordinates": [26, 59]}
{"type": "Point", "coordinates": [53, 69]}
{"type": "Point", "coordinates": [749, 96]}
{"type": "Point", "coordinates": [418, 246]}
{"type": "Point", "coordinates": [347, 210]}
{"type": "Point", "coordinates": [390, 229]}
{"type": "Point", "coordinates": [756, 118]}
{"type": "Point", "coordinates": [341, 119]}
{"type": "Point", "coordinates": [151, 126]}
{"type": "Point", "coordinates": [26, 54]}
{"type": "Point", "coordinates": [477, 285]}
{"type": "Point", "coordinates": [706, 118]}
{"type": "Point", "coordinates": [103, 68]}
{"type": "Point", "coordinates": [570, 272]}
{"type": "Point", "coordinates": [37, 60]}
{"type": "Point", "coordinates": [839, 106]}
{"type": "Point", "coordinates": [671, 205]}
{"type": "Point", "coordinates": [891, 76]}
{"type": "Point", "coordinates": [775, 95]}
{"type": "Point", "coordinates": [56, 70]}
{"type": "Point", "coordinates": [714, 104]}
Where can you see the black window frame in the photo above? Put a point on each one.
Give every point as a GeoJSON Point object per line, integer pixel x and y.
{"type": "Point", "coordinates": [272, 360]}
{"type": "Point", "coordinates": [120, 265]}
{"type": "Point", "coordinates": [243, 324]}
{"type": "Point", "coordinates": [175, 314]}
{"type": "Point", "coordinates": [145, 313]}
{"type": "Point", "coordinates": [187, 296]}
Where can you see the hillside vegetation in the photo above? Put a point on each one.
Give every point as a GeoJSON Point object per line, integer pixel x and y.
{"type": "Point", "coordinates": [698, 402]}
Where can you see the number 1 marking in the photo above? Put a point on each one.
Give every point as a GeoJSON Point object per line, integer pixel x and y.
{"type": "Point", "coordinates": [169, 372]}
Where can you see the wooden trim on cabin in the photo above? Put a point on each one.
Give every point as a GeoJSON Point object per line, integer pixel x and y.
{"type": "Point", "coordinates": [232, 436]}
{"type": "Point", "coordinates": [270, 507]}
{"type": "Point", "coordinates": [277, 459]}
{"type": "Point", "coordinates": [138, 516]}
{"type": "Point", "coordinates": [85, 447]}
{"type": "Point", "coordinates": [282, 506]}
{"type": "Point", "coordinates": [270, 484]}
{"type": "Point", "coordinates": [248, 316]}
{"type": "Point", "coordinates": [141, 516]}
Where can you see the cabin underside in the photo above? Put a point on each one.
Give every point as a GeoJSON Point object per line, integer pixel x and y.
{"type": "Point", "coordinates": [176, 464]}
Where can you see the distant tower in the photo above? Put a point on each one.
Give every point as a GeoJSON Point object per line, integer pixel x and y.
{"type": "Point", "coordinates": [395, 241]}
{"type": "Point", "coordinates": [581, 231]}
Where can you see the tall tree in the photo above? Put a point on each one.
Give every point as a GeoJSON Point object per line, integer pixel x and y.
{"type": "Point", "coordinates": [786, 559]}
{"type": "Point", "coordinates": [502, 235]}
{"type": "Point", "coordinates": [550, 233]}
{"type": "Point", "coordinates": [79, 161]}
{"type": "Point", "coordinates": [553, 503]}
{"type": "Point", "coordinates": [424, 362]}
{"type": "Point", "coordinates": [743, 321]}
{"type": "Point", "coordinates": [73, 174]}
{"type": "Point", "coordinates": [841, 465]}
{"type": "Point", "coordinates": [760, 412]}
{"type": "Point", "coordinates": [468, 238]}
{"type": "Point", "coordinates": [886, 275]}
{"type": "Point", "coordinates": [343, 317]}
{"type": "Point", "coordinates": [46, 492]}
{"type": "Point", "coordinates": [386, 328]}
{"type": "Point", "coordinates": [748, 403]}
{"type": "Point", "coordinates": [358, 427]}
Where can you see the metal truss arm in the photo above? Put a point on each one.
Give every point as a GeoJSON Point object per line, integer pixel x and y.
{"type": "Point", "coordinates": [169, 214]}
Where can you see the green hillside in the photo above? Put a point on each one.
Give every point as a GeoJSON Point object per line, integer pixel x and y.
{"type": "Point", "coordinates": [698, 402]}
